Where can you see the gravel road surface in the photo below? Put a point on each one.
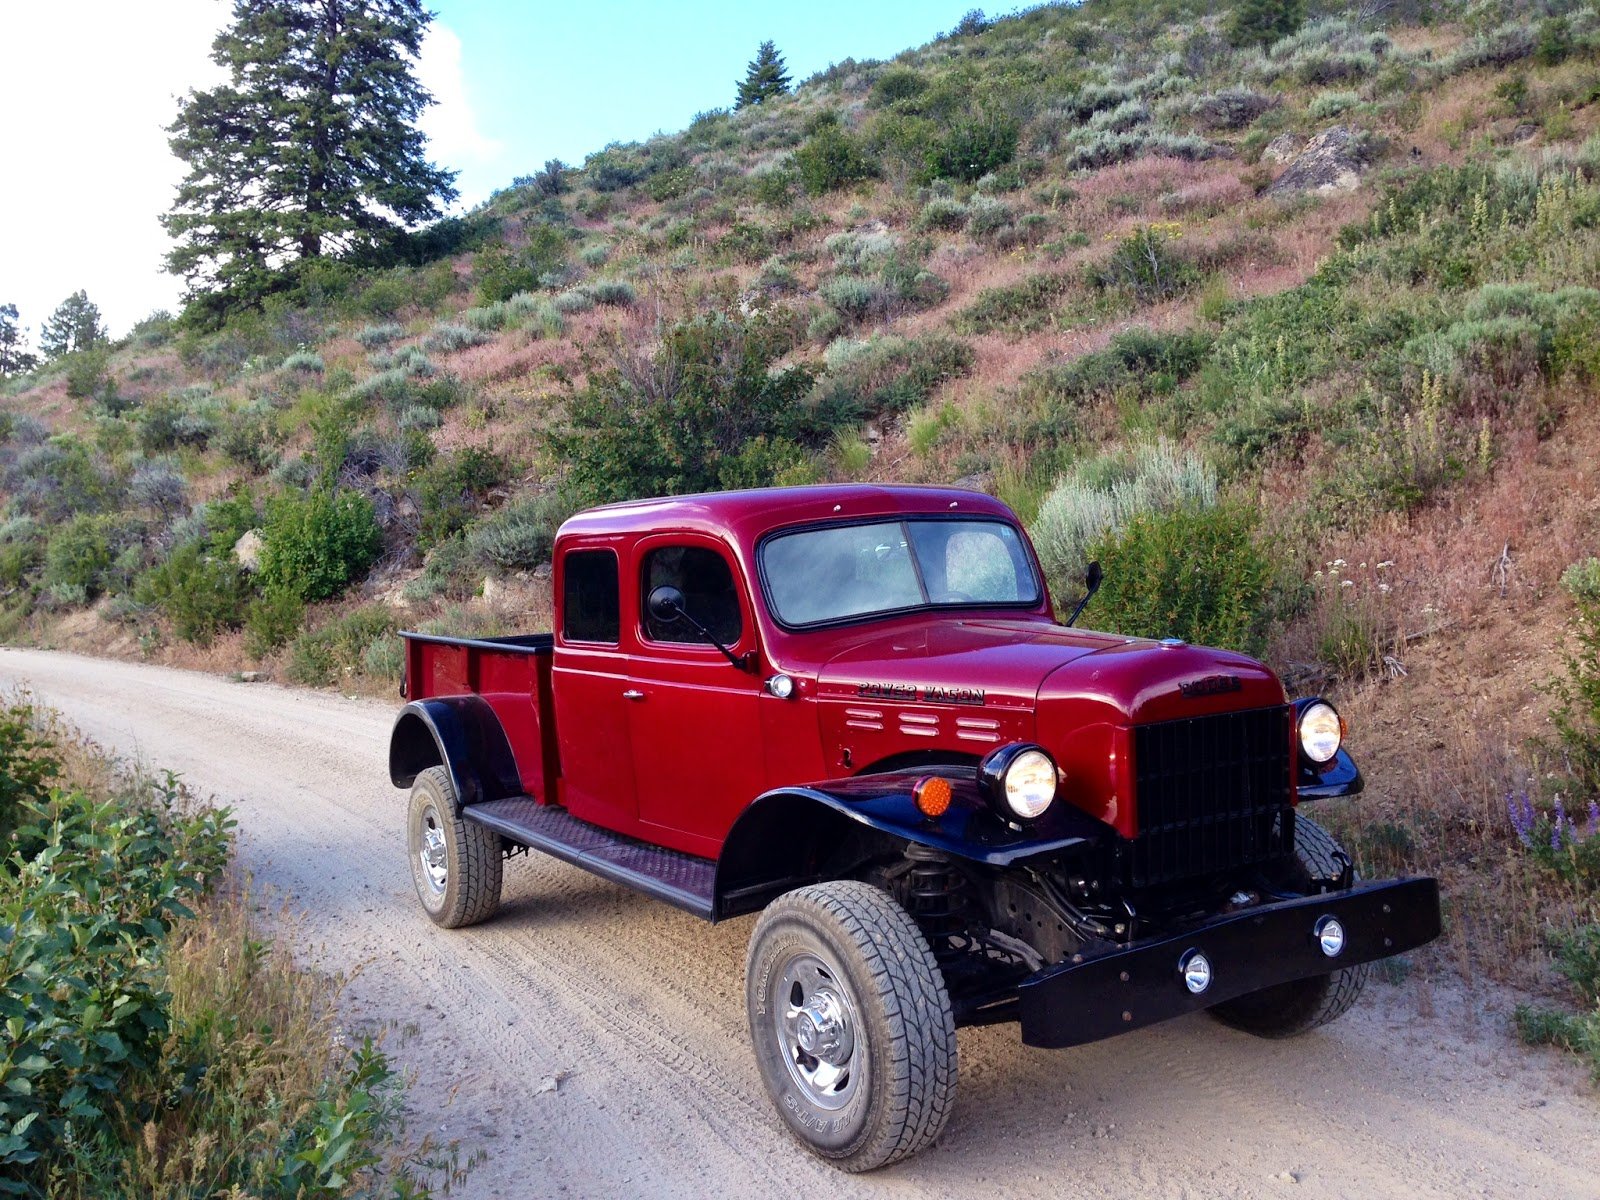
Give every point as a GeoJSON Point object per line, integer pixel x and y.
{"type": "Point", "coordinates": [636, 1010]}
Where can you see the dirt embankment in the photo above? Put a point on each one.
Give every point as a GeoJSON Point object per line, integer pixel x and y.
{"type": "Point", "coordinates": [592, 1042]}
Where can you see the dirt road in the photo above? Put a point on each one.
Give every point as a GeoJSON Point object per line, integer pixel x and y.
{"type": "Point", "coordinates": [636, 1009]}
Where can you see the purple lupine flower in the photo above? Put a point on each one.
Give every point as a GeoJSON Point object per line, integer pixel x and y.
{"type": "Point", "coordinates": [1594, 817]}
{"type": "Point", "coordinates": [1555, 829]}
{"type": "Point", "coordinates": [1520, 811]}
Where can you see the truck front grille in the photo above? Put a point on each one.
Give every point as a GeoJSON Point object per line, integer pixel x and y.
{"type": "Point", "coordinates": [1211, 793]}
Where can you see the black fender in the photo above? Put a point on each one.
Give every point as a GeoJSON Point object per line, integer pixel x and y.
{"type": "Point", "coordinates": [784, 838]}
{"type": "Point", "coordinates": [1339, 776]}
{"type": "Point", "coordinates": [461, 734]}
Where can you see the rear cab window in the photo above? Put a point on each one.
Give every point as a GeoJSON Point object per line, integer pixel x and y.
{"type": "Point", "coordinates": [591, 609]}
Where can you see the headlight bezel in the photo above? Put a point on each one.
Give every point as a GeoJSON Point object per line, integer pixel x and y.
{"type": "Point", "coordinates": [995, 777]}
{"type": "Point", "coordinates": [1317, 718]}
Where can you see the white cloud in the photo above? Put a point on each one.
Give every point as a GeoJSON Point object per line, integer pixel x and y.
{"type": "Point", "coordinates": [454, 139]}
{"type": "Point", "coordinates": [87, 88]}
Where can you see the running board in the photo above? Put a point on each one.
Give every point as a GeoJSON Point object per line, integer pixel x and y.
{"type": "Point", "coordinates": [681, 880]}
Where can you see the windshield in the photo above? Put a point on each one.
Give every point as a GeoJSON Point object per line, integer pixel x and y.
{"type": "Point", "coordinates": [840, 572]}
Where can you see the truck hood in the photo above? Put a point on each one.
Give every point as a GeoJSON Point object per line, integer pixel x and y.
{"type": "Point", "coordinates": [995, 663]}
{"type": "Point", "coordinates": [1011, 664]}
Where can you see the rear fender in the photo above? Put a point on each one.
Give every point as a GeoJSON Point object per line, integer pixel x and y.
{"type": "Point", "coordinates": [461, 734]}
{"type": "Point", "coordinates": [786, 837]}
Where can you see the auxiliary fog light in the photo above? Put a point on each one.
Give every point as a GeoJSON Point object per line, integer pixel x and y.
{"type": "Point", "coordinates": [1196, 969]}
{"type": "Point", "coordinates": [1330, 936]}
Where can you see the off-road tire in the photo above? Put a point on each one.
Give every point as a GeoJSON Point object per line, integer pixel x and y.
{"type": "Point", "coordinates": [1290, 1009]}
{"type": "Point", "coordinates": [473, 858]}
{"type": "Point", "coordinates": [905, 1034]}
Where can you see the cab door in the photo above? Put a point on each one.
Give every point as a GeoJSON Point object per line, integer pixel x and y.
{"type": "Point", "coordinates": [693, 717]}
{"type": "Point", "coordinates": [590, 675]}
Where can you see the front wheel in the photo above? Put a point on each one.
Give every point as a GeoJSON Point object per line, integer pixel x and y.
{"type": "Point", "coordinates": [851, 1024]}
{"type": "Point", "coordinates": [1289, 1009]}
{"type": "Point", "coordinates": [455, 864]}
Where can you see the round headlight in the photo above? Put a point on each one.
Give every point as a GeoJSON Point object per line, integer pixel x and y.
{"type": "Point", "coordinates": [1020, 781]}
{"type": "Point", "coordinates": [1320, 732]}
{"type": "Point", "coordinates": [1030, 784]}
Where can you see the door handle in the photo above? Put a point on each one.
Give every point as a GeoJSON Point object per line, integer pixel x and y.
{"type": "Point", "coordinates": [633, 694]}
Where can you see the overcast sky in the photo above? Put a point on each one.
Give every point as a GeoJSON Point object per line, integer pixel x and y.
{"type": "Point", "coordinates": [87, 85]}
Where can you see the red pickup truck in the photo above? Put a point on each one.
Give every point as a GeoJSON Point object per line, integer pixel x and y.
{"type": "Point", "coordinates": [852, 710]}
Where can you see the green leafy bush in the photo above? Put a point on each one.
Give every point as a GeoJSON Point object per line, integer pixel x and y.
{"type": "Point", "coordinates": [200, 593]}
{"type": "Point", "coordinates": [680, 422]}
{"type": "Point", "coordinates": [1018, 307]}
{"type": "Point", "coordinates": [83, 554]}
{"type": "Point", "coordinates": [1147, 265]}
{"type": "Point", "coordinates": [315, 545]}
{"type": "Point", "coordinates": [271, 619]}
{"type": "Point", "coordinates": [1192, 572]}
{"type": "Point", "coordinates": [339, 649]}
{"type": "Point", "coordinates": [452, 490]}
{"type": "Point", "coordinates": [831, 159]}
{"type": "Point", "coordinates": [974, 147]}
{"type": "Point", "coordinates": [1577, 714]}
{"type": "Point", "coordinates": [1578, 958]}
{"type": "Point", "coordinates": [885, 374]}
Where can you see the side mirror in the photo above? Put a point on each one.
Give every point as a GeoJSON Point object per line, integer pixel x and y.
{"type": "Point", "coordinates": [666, 604]}
{"type": "Point", "coordinates": [1093, 576]}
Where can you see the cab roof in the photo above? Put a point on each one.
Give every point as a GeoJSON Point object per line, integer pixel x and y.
{"type": "Point", "coordinates": [744, 516]}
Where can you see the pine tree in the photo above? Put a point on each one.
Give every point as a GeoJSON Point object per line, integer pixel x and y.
{"type": "Point", "coordinates": [75, 325]}
{"type": "Point", "coordinates": [1262, 22]}
{"type": "Point", "coordinates": [764, 78]}
{"type": "Point", "coordinates": [310, 149]}
{"type": "Point", "coordinates": [14, 356]}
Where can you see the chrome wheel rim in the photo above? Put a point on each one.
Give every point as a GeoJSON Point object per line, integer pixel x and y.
{"type": "Point", "coordinates": [817, 1027]}
{"type": "Point", "coordinates": [432, 856]}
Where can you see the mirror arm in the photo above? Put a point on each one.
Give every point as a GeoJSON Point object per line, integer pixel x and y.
{"type": "Point", "coordinates": [744, 662]}
{"type": "Point", "coordinates": [1093, 587]}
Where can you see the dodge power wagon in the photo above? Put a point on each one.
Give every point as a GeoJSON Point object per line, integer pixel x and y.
{"type": "Point", "coordinates": [852, 710]}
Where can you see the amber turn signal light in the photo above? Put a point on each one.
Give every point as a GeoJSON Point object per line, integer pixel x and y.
{"type": "Point", "coordinates": [932, 796]}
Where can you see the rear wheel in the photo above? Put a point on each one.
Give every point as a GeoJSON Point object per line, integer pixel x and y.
{"type": "Point", "coordinates": [1297, 1007]}
{"type": "Point", "coordinates": [455, 864]}
{"type": "Point", "coordinates": [851, 1024]}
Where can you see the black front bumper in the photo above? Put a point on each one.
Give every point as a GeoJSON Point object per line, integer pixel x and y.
{"type": "Point", "coordinates": [1129, 987]}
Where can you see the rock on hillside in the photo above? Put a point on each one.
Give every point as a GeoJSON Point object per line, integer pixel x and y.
{"type": "Point", "coordinates": [1331, 162]}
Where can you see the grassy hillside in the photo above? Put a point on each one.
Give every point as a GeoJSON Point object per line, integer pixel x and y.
{"type": "Point", "coordinates": [1336, 409]}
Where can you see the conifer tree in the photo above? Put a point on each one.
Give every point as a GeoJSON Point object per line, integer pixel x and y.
{"type": "Point", "coordinates": [1262, 22]}
{"type": "Point", "coordinates": [309, 149]}
{"type": "Point", "coordinates": [764, 78]}
{"type": "Point", "coordinates": [75, 325]}
{"type": "Point", "coordinates": [14, 356]}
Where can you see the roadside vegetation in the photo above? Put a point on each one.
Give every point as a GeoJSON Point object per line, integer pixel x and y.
{"type": "Point", "coordinates": [156, 1042]}
{"type": "Point", "coordinates": [1286, 314]}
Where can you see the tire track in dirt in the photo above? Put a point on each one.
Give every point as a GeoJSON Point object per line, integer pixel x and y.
{"type": "Point", "coordinates": [641, 1007]}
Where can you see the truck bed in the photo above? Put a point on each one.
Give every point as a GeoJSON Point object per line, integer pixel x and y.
{"type": "Point", "coordinates": [511, 675]}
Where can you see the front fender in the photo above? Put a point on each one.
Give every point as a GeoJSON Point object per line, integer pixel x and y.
{"type": "Point", "coordinates": [784, 837]}
{"type": "Point", "coordinates": [461, 734]}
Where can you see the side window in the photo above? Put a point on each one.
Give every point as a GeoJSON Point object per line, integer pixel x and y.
{"type": "Point", "coordinates": [709, 594]}
{"type": "Point", "coordinates": [590, 600]}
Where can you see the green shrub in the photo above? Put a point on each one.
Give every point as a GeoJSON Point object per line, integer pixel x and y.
{"type": "Point", "coordinates": [29, 766]}
{"type": "Point", "coordinates": [1192, 572]}
{"type": "Point", "coordinates": [885, 374]}
{"type": "Point", "coordinates": [307, 361]}
{"type": "Point", "coordinates": [271, 619]}
{"type": "Point", "coordinates": [1577, 713]}
{"type": "Point", "coordinates": [1146, 265]}
{"type": "Point", "coordinates": [680, 424]}
{"type": "Point", "coordinates": [974, 147]}
{"type": "Point", "coordinates": [1578, 958]}
{"type": "Point", "coordinates": [201, 594]}
{"type": "Point", "coordinates": [338, 650]}
{"type": "Point", "coordinates": [520, 536]}
{"type": "Point", "coordinates": [449, 337]}
{"type": "Point", "coordinates": [80, 554]}
{"type": "Point", "coordinates": [614, 293]}
{"type": "Point", "coordinates": [831, 159]}
{"type": "Point", "coordinates": [315, 545]}
{"type": "Point", "coordinates": [452, 490]}
{"type": "Point", "coordinates": [1017, 308]}
{"type": "Point", "coordinates": [942, 213]}
{"type": "Point", "coordinates": [375, 336]}
{"type": "Point", "coordinates": [1100, 496]}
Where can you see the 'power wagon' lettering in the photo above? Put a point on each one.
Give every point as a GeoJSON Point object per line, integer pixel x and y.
{"type": "Point", "coordinates": [932, 694]}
